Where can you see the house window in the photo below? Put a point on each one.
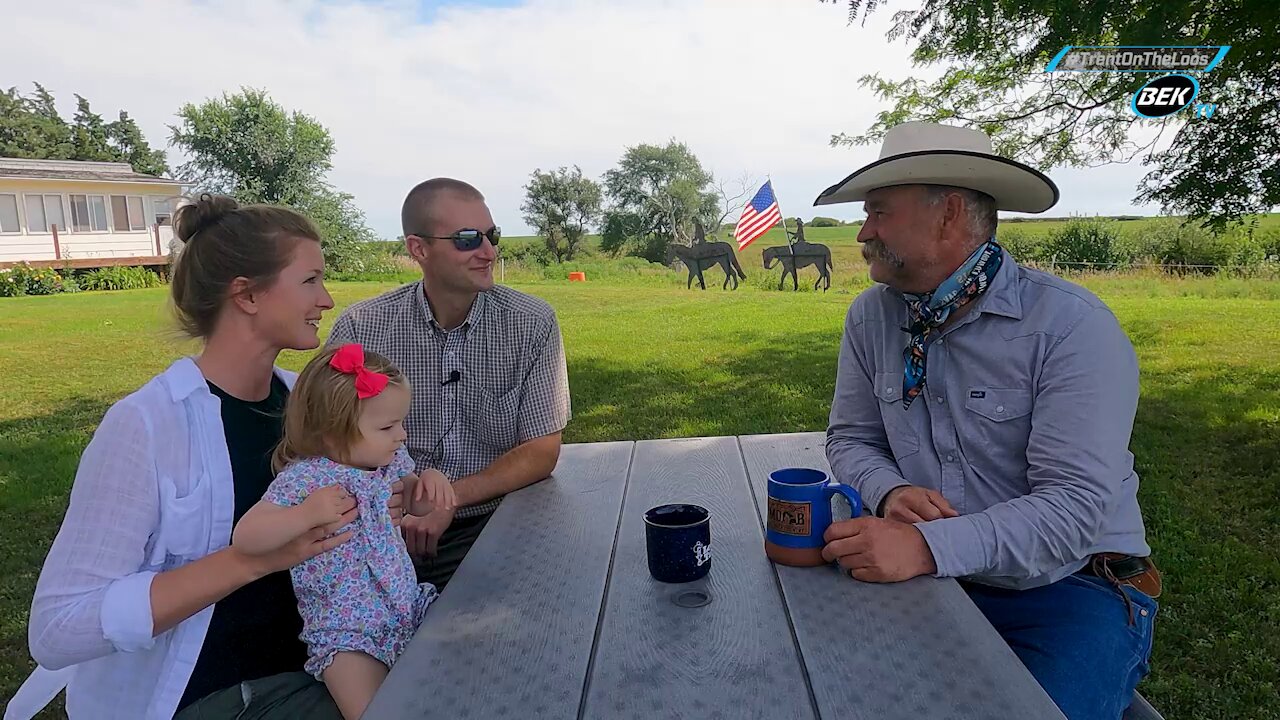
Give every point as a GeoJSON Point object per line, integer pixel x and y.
{"type": "Point", "coordinates": [163, 210]}
{"type": "Point", "coordinates": [136, 219]}
{"type": "Point", "coordinates": [89, 213]}
{"type": "Point", "coordinates": [9, 214]}
{"type": "Point", "coordinates": [126, 213]}
{"type": "Point", "coordinates": [44, 211]}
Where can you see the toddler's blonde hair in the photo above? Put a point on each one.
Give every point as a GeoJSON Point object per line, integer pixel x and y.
{"type": "Point", "coordinates": [322, 414]}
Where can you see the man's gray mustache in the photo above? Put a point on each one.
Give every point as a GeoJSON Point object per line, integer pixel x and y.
{"type": "Point", "coordinates": [876, 250]}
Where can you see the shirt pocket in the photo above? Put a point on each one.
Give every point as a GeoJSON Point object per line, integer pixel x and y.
{"type": "Point", "coordinates": [997, 427]}
{"type": "Point", "coordinates": [904, 439]}
{"type": "Point", "coordinates": [498, 422]}
{"type": "Point", "coordinates": [183, 534]}
{"type": "Point", "coordinates": [999, 404]}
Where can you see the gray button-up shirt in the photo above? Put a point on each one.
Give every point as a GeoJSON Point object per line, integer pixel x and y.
{"type": "Point", "coordinates": [1023, 427]}
{"type": "Point", "coordinates": [508, 357]}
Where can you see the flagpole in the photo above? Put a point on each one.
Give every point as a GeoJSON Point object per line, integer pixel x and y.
{"type": "Point", "coordinates": [785, 231]}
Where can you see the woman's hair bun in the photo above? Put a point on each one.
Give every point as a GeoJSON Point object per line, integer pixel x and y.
{"type": "Point", "coordinates": [206, 211]}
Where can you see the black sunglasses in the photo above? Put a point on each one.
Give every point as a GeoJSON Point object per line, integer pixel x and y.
{"type": "Point", "coordinates": [468, 239]}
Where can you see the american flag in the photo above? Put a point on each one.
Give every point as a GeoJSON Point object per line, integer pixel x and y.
{"type": "Point", "coordinates": [758, 216]}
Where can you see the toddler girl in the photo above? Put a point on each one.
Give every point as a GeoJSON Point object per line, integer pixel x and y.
{"type": "Point", "coordinates": [344, 438]}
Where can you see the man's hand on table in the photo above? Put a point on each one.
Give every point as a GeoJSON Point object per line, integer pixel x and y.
{"type": "Point", "coordinates": [878, 550]}
{"type": "Point", "coordinates": [911, 504]}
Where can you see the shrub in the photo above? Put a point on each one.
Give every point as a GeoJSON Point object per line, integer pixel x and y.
{"type": "Point", "coordinates": [1268, 241]}
{"type": "Point", "coordinates": [44, 281]}
{"type": "Point", "coordinates": [1083, 240]}
{"type": "Point", "coordinates": [23, 279]}
{"type": "Point", "coordinates": [119, 278]}
{"type": "Point", "coordinates": [1246, 251]}
{"type": "Point", "coordinates": [10, 286]}
{"type": "Point", "coordinates": [26, 280]}
{"type": "Point", "coordinates": [1194, 245]}
{"type": "Point", "coordinates": [527, 253]}
{"type": "Point", "coordinates": [359, 260]}
{"type": "Point", "coordinates": [1146, 242]}
{"type": "Point", "coordinates": [824, 222]}
{"type": "Point", "coordinates": [1024, 246]}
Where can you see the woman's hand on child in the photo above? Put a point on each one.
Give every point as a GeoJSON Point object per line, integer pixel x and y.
{"type": "Point", "coordinates": [330, 507]}
{"type": "Point", "coordinates": [395, 504]}
{"type": "Point", "coordinates": [325, 511]}
{"type": "Point", "coordinates": [436, 488]}
{"type": "Point", "coordinates": [304, 547]}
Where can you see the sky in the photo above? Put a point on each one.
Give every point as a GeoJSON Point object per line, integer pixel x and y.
{"type": "Point", "coordinates": [489, 91]}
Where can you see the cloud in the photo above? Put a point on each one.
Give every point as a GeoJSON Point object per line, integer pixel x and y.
{"type": "Point", "coordinates": [489, 92]}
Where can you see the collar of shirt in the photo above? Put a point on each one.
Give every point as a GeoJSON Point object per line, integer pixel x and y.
{"type": "Point", "coordinates": [184, 378]}
{"type": "Point", "coordinates": [473, 315]}
{"type": "Point", "coordinates": [1002, 298]}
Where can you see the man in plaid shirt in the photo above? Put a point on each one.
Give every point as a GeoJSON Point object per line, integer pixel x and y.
{"type": "Point", "coordinates": [485, 362]}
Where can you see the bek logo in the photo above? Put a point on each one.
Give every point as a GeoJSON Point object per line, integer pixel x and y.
{"type": "Point", "coordinates": [1167, 95]}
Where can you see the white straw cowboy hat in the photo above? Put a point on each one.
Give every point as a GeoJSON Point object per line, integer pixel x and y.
{"type": "Point", "coordinates": [919, 153]}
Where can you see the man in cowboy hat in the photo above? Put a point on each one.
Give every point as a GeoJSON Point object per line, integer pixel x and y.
{"type": "Point", "coordinates": [983, 410]}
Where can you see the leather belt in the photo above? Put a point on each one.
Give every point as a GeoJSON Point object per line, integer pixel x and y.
{"type": "Point", "coordinates": [1139, 573]}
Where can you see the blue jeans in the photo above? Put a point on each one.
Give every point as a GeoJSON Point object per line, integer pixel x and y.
{"type": "Point", "coordinates": [1075, 638]}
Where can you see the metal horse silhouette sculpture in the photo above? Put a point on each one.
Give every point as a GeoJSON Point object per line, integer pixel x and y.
{"type": "Point", "coordinates": [802, 254]}
{"type": "Point", "coordinates": [703, 255]}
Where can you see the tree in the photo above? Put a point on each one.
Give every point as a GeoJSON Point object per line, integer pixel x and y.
{"type": "Point", "coordinates": [89, 134]}
{"type": "Point", "coordinates": [249, 147]}
{"type": "Point", "coordinates": [561, 205]}
{"type": "Point", "coordinates": [820, 221]}
{"type": "Point", "coordinates": [30, 127]}
{"type": "Point", "coordinates": [995, 52]}
{"type": "Point", "coordinates": [731, 199]}
{"type": "Point", "coordinates": [656, 193]}
{"type": "Point", "coordinates": [342, 226]}
{"type": "Point", "coordinates": [128, 144]}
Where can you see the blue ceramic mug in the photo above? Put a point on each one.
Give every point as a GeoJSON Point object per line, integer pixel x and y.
{"type": "Point", "coordinates": [678, 542]}
{"type": "Point", "coordinates": [800, 513]}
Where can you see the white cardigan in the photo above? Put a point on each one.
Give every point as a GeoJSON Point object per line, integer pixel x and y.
{"type": "Point", "coordinates": [153, 491]}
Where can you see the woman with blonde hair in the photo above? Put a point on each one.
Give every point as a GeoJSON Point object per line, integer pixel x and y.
{"type": "Point", "coordinates": [143, 607]}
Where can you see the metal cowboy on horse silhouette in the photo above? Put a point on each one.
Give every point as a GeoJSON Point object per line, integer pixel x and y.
{"type": "Point", "coordinates": [801, 253]}
{"type": "Point", "coordinates": [703, 255]}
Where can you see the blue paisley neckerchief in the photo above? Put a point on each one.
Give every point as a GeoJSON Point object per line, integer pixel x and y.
{"type": "Point", "coordinates": [927, 312]}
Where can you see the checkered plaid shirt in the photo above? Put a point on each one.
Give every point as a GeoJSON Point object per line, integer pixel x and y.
{"type": "Point", "coordinates": [512, 382]}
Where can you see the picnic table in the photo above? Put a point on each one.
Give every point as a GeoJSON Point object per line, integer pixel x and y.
{"type": "Point", "coordinates": [553, 613]}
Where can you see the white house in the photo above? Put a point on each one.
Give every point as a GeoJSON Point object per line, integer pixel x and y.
{"type": "Point", "coordinates": [83, 214]}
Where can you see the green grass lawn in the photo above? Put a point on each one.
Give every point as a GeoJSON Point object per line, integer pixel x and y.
{"type": "Point", "coordinates": [648, 359]}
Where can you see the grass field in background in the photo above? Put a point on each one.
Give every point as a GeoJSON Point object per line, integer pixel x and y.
{"type": "Point", "coordinates": [648, 359]}
{"type": "Point", "coordinates": [849, 274]}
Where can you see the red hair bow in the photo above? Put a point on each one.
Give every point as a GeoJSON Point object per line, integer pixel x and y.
{"type": "Point", "coordinates": [350, 360]}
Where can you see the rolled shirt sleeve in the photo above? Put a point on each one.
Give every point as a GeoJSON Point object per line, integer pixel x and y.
{"type": "Point", "coordinates": [127, 622]}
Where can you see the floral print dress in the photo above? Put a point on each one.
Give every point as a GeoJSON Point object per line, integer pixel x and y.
{"type": "Point", "coordinates": [364, 595]}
